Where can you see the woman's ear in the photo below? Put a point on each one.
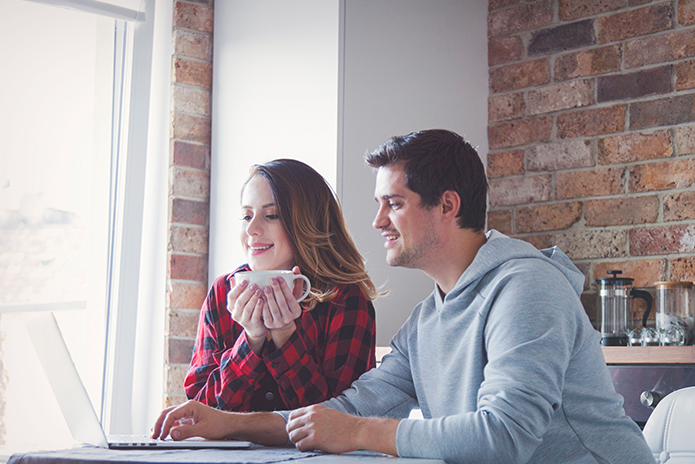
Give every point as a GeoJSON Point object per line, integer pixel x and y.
{"type": "Point", "coordinates": [450, 205]}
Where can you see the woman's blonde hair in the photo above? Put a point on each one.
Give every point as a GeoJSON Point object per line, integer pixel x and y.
{"type": "Point", "coordinates": [314, 223]}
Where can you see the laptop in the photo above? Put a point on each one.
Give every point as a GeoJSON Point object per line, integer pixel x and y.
{"type": "Point", "coordinates": [74, 401]}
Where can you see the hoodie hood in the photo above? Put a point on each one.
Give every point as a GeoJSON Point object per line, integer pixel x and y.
{"type": "Point", "coordinates": [501, 249]}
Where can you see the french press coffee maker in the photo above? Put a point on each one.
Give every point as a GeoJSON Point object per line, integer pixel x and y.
{"type": "Point", "coordinates": [615, 296]}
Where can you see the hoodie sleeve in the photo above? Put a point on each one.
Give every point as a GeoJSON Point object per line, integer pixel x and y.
{"type": "Point", "coordinates": [529, 337]}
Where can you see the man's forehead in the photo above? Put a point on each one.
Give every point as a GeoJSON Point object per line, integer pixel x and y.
{"type": "Point", "coordinates": [390, 182]}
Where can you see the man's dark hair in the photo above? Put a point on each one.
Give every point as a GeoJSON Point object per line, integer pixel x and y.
{"type": "Point", "coordinates": [435, 161]}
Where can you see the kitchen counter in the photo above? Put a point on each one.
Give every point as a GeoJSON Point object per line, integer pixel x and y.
{"type": "Point", "coordinates": [649, 354]}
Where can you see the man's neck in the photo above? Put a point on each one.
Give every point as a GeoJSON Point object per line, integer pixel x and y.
{"type": "Point", "coordinates": [457, 255]}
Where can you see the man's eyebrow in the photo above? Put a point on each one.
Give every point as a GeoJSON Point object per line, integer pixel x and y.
{"type": "Point", "coordinates": [388, 197]}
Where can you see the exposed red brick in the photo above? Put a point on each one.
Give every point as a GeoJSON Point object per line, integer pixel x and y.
{"type": "Point", "coordinates": [644, 271]}
{"type": "Point", "coordinates": [505, 50]}
{"type": "Point", "coordinates": [193, 100]}
{"type": "Point", "coordinates": [196, 17]}
{"type": "Point", "coordinates": [621, 211]}
{"type": "Point", "coordinates": [497, 4]}
{"type": "Point", "coordinates": [188, 267]}
{"type": "Point", "coordinates": [188, 239]}
{"type": "Point", "coordinates": [685, 140]}
{"type": "Point", "coordinates": [519, 132]}
{"type": "Point", "coordinates": [562, 37]}
{"type": "Point", "coordinates": [505, 163]}
{"type": "Point", "coordinates": [662, 240]}
{"type": "Point", "coordinates": [566, 154]}
{"type": "Point", "coordinates": [679, 206]}
{"type": "Point", "coordinates": [505, 107]}
{"type": "Point", "coordinates": [560, 97]}
{"type": "Point", "coordinates": [588, 244]}
{"type": "Point", "coordinates": [175, 376]}
{"type": "Point", "coordinates": [686, 12]}
{"type": "Point", "coordinates": [190, 154]}
{"type": "Point", "coordinates": [634, 147]}
{"type": "Point", "coordinates": [191, 128]}
{"type": "Point", "coordinates": [662, 112]}
{"type": "Point", "coordinates": [594, 121]}
{"type": "Point", "coordinates": [578, 184]}
{"type": "Point", "coordinates": [193, 44]}
{"type": "Point", "coordinates": [585, 269]}
{"type": "Point", "coordinates": [660, 48]}
{"type": "Point", "coordinates": [181, 323]}
{"type": "Point", "coordinates": [588, 62]}
{"type": "Point", "coordinates": [662, 175]}
{"type": "Point", "coordinates": [519, 75]}
{"type": "Point", "coordinates": [179, 350]}
{"type": "Point", "coordinates": [548, 217]}
{"type": "Point", "coordinates": [685, 75]}
{"type": "Point", "coordinates": [683, 268]}
{"type": "Point", "coordinates": [186, 295]}
{"type": "Point", "coordinates": [520, 190]}
{"type": "Point", "coordinates": [519, 18]}
{"type": "Point", "coordinates": [500, 220]}
{"type": "Point", "coordinates": [190, 183]}
{"type": "Point", "coordinates": [573, 9]}
{"type": "Point", "coordinates": [192, 72]}
{"type": "Point", "coordinates": [633, 23]}
{"type": "Point", "coordinates": [539, 241]}
{"type": "Point", "coordinates": [190, 212]}
{"type": "Point", "coordinates": [588, 300]}
{"type": "Point", "coordinates": [634, 85]}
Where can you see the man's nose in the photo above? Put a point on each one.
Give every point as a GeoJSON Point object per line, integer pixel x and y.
{"type": "Point", "coordinates": [380, 220]}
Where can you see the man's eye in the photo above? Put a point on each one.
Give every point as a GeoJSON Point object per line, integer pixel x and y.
{"type": "Point", "coordinates": [394, 205]}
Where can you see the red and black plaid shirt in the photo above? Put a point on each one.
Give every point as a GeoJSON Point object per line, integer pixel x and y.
{"type": "Point", "coordinates": [333, 345]}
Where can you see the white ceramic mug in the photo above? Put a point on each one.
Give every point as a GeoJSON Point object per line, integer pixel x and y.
{"type": "Point", "coordinates": [261, 279]}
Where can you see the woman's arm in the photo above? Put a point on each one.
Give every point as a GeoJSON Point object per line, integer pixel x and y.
{"type": "Point", "coordinates": [224, 372]}
{"type": "Point", "coordinates": [349, 337]}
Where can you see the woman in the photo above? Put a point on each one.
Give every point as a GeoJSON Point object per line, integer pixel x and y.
{"type": "Point", "coordinates": [261, 350]}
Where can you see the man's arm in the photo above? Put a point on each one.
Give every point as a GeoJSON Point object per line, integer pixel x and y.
{"type": "Point", "coordinates": [193, 419]}
{"type": "Point", "coordinates": [319, 427]}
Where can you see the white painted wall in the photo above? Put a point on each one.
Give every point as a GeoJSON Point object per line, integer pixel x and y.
{"type": "Point", "coordinates": [278, 90]}
{"type": "Point", "coordinates": [275, 81]}
{"type": "Point", "coordinates": [407, 65]}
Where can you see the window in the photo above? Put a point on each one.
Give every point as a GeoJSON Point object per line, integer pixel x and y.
{"type": "Point", "coordinates": [63, 175]}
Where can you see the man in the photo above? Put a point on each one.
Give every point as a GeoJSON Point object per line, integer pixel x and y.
{"type": "Point", "coordinates": [501, 358]}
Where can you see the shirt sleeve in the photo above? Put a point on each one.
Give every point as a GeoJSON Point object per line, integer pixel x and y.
{"type": "Point", "coordinates": [306, 378]}
{"type": "Point", "coordinates": [224, 372]}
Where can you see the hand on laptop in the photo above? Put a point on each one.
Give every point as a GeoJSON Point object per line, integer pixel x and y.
{"type": "Point", "coordinates": [191, 419]}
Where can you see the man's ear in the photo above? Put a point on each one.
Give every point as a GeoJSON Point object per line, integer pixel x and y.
{"type": "Point", "coordinates": [450, 205]}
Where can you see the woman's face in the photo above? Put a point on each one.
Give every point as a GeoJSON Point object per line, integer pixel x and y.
{"type": "Point", "coordinates": [263, 236]}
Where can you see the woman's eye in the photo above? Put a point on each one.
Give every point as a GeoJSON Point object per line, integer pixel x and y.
{"type": "Point", "coordinates": [272, 216]}
{"type": "Point", "coordinates": [246, 217]}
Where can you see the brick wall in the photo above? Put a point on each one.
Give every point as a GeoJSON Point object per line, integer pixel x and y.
{"type": "Point", "coordinates": [592, 133]}
{"type": "Point", "coordinates": [189, 186]}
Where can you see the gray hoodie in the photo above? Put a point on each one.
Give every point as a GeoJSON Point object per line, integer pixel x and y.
{"type": "Point", "coordinates": [506, 368]}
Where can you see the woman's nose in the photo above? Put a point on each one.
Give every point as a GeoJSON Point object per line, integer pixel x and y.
{"type": "Point", "coordinates": [254, 227]}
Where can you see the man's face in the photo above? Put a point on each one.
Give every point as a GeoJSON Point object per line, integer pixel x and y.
{"type": "Point", "coordinates": [408, 227]}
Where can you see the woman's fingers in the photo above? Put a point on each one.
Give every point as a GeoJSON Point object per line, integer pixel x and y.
{"type": "Point", "coordinates": [282, 307]}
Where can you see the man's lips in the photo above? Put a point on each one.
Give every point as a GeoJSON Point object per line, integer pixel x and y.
{"type": "Point", "coordinates": [390, 237]}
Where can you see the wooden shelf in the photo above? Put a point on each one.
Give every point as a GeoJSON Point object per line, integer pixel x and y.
{"type": "Point", "coordinates": [649, 354]}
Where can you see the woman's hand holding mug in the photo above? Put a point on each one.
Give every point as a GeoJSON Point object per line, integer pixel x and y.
{"type": "Point", "coordinates": [245, 303]}
{"type": "Point", "coordinates": [280, 305]}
